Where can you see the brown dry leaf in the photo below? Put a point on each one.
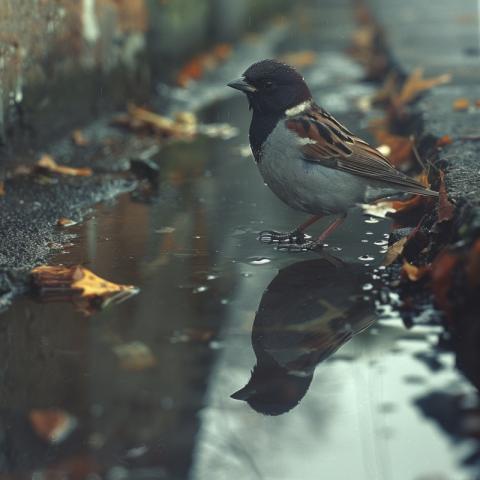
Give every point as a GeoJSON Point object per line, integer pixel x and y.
{"type": "Point", "coordinates": [49, 164]}
{"type": "Point", "coordinates": [135, 356]}
{"type": "Point", "coordinates": [52, 426]}
{"type": "Point", "coordinates": [416, 84]}
{"type": "Point", "coordinates": [400, 147]}
{"type": "Point", "coordinates": [202, 63]}
{"type": "Point", "coordinates": [80, 286]}
{"type": "Point", "coordinates": [2, 191]}
{"type": "Point", "coordinates": [185, 126]}
{"type": "Point", "coordinates": [445, 208]}
{"type": "Point", "coordinates": [461, 104]}
{"type": "Point", "coordinates": [299, 59]}
{"type": "Point", "coordinates": [79, 139]}
{"type": "Point", "coordinates": [472, 267]}
{"type": "Point", "coordinates": [394, 251]}
{"type": "Point", "coordinates": [412, 272]}
{"type": "Point", "coordinates": [442, 268]}
{"type": "Point", "coordinates": [65, 222]}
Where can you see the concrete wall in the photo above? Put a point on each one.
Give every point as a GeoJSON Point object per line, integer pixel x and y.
{"type": "Point", "coordinates": [64, 62]}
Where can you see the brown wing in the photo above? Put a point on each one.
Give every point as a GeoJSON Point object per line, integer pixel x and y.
{"type": "Point", "coordinates": [335, 147]}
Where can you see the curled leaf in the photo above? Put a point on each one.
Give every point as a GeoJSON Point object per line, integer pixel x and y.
{"type": "Point", "coordinates": [47, 163]}
{"type": "Point", "coordinates": [445, 208]}
{"type": "Point", "coordinates": [412, 272]}
{"type": "Point", "coordinates": [394, 251]}
{"type": "Point", "coordinates": [415, 84]}
{"type": "Point", "coordinates": [79, 286]}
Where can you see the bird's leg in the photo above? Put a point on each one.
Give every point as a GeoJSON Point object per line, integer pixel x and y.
{"type": "Point", "coordinates": [316, 245]}
{"type": "Point", "coordinates": [295, 236]}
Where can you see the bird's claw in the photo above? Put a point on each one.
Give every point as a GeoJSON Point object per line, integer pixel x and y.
{"type": "Point", "coordinates": [288, 238]}
{"type": "Point", "coordinates": [301, 247]}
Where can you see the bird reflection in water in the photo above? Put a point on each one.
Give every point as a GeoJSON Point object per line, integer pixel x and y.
{"type": "Point", "coordinates": [309, 310]}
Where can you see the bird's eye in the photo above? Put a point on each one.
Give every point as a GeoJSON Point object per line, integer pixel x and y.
{"type": "Point", "coordinates": [268, 84]}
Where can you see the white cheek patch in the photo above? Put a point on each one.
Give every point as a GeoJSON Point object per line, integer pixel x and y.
{"type": "Point", "coordinates": [298, 109]}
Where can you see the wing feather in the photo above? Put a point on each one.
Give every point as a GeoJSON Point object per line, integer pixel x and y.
{"type": "Point", "coordinates": [333, 146]}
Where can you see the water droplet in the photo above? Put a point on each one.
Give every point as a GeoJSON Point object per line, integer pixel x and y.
{"type": "Point", "coordinates": [365, 258]}
{"type": "Point", "coordinates": [325, 244]}
{"type": "Point", "coordinates": [247, 275]}
{"type": "Point", "coordinates": [201, 199]}
{"type": "Point", "coordinates": [212, 277]}
{"type": "Point", "coordinates": [386, 235]}
{"type": "Point", "coordinates": [200, 289]}
{"type": "Point", "coordinates": [337, 249]}
{"type": "Point", "coordinates": [375, 277]}
{"type": "Point", "coordinates": [367, 286]}
{"type": "Point", "coordinates": [223, 301]}
{"type": "Point", "coordinates": [260, 261]}
{"type": "Point", "coordinates": [364, 241]}
{"type": "Point", "coordinates": [215, 345]}
{"type": "Point", "coordinates": [369, 233]}
{"type": "Point", "coordinates": [371, 220]}
{"type": "Point", "coordinates": [380, 242]}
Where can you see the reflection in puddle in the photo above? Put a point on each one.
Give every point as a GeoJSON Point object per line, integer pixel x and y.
{"type": "Point", "coordinates": [308, 311]}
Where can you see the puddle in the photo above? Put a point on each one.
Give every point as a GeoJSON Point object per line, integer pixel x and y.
{"type": "Point", "coordinates": [148, 382]}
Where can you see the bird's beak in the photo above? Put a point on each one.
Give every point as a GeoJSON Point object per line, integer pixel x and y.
{"type": "Point", "coordinates": [244, 394]}
{"type": "Point", "coordinates": [242, 85]}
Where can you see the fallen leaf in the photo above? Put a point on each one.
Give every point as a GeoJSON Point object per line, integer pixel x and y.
{"type": "Point", "coordinates": [52, 426]}
{"type": "Point", "coordinates": [445, 208]}
{"type": "Point", "coordinates": [48, 163]}
{"type": "Point", "coordinates": [79, 286]}
{"type": "Point", "coordinates": [65, 222]}
{"type": "Point", "coordinates": [202, 63]}
{"type": "Point", "coordinates": [135, 356]}
{"type": "Point", "coordinates": [415, 84]}
{"type": "Point", "coordinates": [412, 272]}
{"type": "Point", "coordinates": [461, 104]}
{"type": "Point", "coordinates": [441, 275]}
{"type": "Point", "coordinates": [394, 251]}
{"type": "Point", "coordinates": [400, 147]}
{"type": "Point", "coordinates": [79, 139]}
{"type": "Point", "coordinates": [477, 103]}
{"type": "Point", "coordinates": [299, 59]}
{"type": "Point", "coordinates": [183, 126]}
{"type": "Point", "coordinates": [2, 191]}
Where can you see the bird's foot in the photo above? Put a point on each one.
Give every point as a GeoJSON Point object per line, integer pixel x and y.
{"type": "Point", "coordinates": [315, 246]}
{"type": "Point", "coordinates": [271, 236]}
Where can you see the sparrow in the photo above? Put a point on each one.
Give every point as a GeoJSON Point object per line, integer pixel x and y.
{"type": "Point", "coordinates": [309, 310]}
{"type": "Point", "coordinates": [309, 159]}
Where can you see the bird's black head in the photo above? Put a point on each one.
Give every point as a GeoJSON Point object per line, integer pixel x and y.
{"type": "Point", "coordinates": [273, 391]}
{"type": "Point", "coordinates": [272, 87]}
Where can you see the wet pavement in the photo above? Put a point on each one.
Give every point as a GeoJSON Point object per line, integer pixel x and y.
{"type": "Point", "coordinates": [144, 386]}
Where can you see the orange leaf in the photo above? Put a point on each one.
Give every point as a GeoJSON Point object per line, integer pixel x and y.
{"type": "Point", "coordinates": [412, 272]}
{"type": "Point", "coordinates": [48, 163]}
{"type": "Point", "coordinates": [416, 84]}
{"type": "Point", "coordinates": [65, 222]}
{"type": "Point", "coordinates": [441, 275]}
{"type": "Point", "coordinates": [52, 426]}
{"type": "Point", "coordinates": [2, 191]}
{"type": "Point", "coordinates": [461, 104]}
{"type": "Point", "coordinates": [79, 139]}
{"type": "Point", "coordinates": [79, 286]}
